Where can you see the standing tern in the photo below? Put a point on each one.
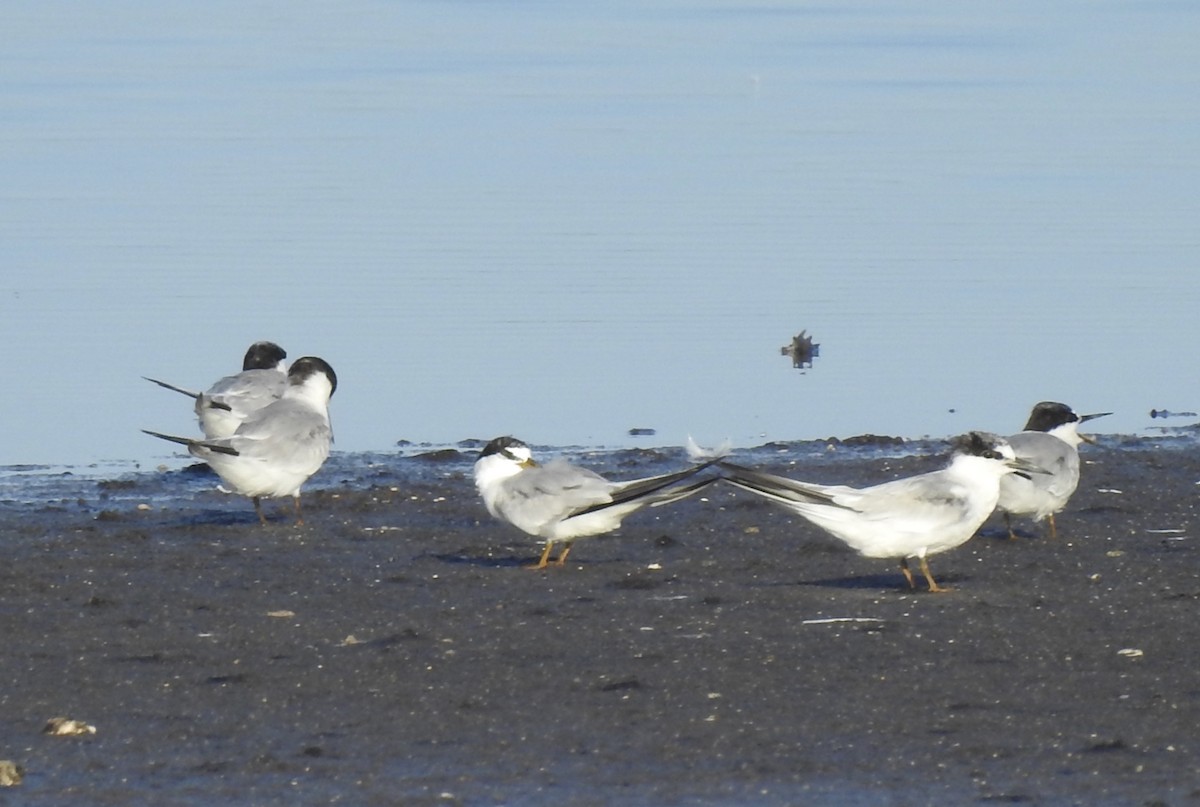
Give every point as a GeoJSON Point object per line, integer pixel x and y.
{"type": "Point", "coordinates": [560, 502]}
{"type": "Point", "coordinates": [278, 447]}
{"type": "Point", "coordinates": [1051, 441]}
{"type": "Point", "coordinates": [906, 518]}
{"type": "Point", "coordinates": [227, 403]}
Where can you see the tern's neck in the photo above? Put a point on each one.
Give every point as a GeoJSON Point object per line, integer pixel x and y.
{"type": "Point", "coordinates": [314, 392]}
{"type": "Point", "coordinates": [1068, 433]}
{"type": "Point", "coordinates": [976, 470]}
{"type": "Point", "coordinates": [491, 470]}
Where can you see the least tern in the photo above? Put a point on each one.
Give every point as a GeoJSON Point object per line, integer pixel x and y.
{"type": "Point", "coordinates": [277, 448]}
{"type": "Point", "coordinates": [906, 518]}
{"type": "Point", "coordinates": [227, 403]}
{"type": "Point", "coordinates": [560, 502]}
{"type": "Point", "coordinates": [1051, 441]}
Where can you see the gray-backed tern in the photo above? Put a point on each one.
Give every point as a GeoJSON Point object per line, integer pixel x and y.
{"type": "Point", "coordinates": [906, 518]}
{"type": "Point", "coordinates": [1051, 441]}
{"type": "Point", "coordinates": [559, 502]}
{"type": "Point", "coordinates": [278, 447]}
{"type": "Point", "coordinates": [227, 403]}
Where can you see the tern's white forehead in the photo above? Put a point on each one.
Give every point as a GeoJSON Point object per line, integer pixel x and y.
{"type": "Point", "coordinates": [519, 453]}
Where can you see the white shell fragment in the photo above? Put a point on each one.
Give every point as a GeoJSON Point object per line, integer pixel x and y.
{"type": "Point", "coordinates": [10, 773]}
{"type": "Point", "coordinates": [834, 620]}
{"type": "Point", "coordinates": [1130, 652]}
{"type": "Point", "coordinates": [65, 727]}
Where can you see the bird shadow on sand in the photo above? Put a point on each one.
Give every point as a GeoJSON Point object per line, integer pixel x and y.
{"type": "Point", "coordinates": [468, 558]}
{"type": "Point", "coordinates": [1000, 534]}
{"type": "Point", "coordinates": [885, 583]}
{"type": "Point", "coordinates": [226, 518]}
{"type": "Point", "coordinates": [481, 557]}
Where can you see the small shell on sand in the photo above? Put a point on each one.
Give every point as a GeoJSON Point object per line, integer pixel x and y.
{"type": "Point", "coordinates": [65, 727]}
{"type": "Point", "coordinates": [10, 773]}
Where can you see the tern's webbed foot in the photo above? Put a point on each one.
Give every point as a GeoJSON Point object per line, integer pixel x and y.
{"type": "Point", "coordinates": [934, 588]}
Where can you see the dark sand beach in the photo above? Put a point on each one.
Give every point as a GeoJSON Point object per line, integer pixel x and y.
{"type": "Point", "coordinates": [721, 651]}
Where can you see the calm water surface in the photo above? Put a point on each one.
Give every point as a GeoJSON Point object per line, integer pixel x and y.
{"type": "Point", "coordinates": [565, 220]}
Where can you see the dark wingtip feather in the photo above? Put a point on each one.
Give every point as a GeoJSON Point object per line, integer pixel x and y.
{"type": "Point", "coordinates": [189, 442]}
{"type": "Point", "coordinates": [172, 387]}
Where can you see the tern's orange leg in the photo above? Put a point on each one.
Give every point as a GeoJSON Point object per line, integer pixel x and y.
{"type": "Point", "coordinates": [541, 564]}
{"type": "Point", "coordinates": [933, 586]}
{"type": "Point", "coordinates": [907, 574]}
{"type": "Point", "coordinates": [299, 515]}
{"type": "Point", "coordinates": [1012, 536]}
{"type": "Point", "coordinates": [1053, 528]}
{"type": "Point", "coordinates": [562, 558]}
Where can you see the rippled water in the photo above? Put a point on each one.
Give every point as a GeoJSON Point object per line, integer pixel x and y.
{"type": "Point", "coordinates": [564, 221]}
{"type": "Point", "coordinates": [102, 489]}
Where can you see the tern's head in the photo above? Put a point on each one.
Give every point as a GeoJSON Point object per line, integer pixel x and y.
{"type": "Point", "coordinates": [312, 376]}
{"type": "Point", "coordinates": [510, 450]}
{"type": "Point", "coordinates": [500, 459]}
{"type": "Point", "coordinates": [264, 356]}
{"type": "Point", "coordinates": [1059, 420]}
{"type": "Point", "coordinates": [984, 445]}
{"type": "Point", "coordinates": [990, 453]}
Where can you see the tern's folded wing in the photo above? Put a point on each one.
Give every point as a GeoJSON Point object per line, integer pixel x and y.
{"type": "Point", "coordinates": [654, 491]}
{"type": "Point", "coordinates": [1050, 454]}
{"type": "Point", "coordinates": [780, 488]}
{"type": "Point", "coordinates": [247, 391]}
{"type": "Point", "coordinates": [651, 485]}
{"type": "Point", "coordinates": [289, 436]}
{"type": "Point", "coordinates": [219, 446]}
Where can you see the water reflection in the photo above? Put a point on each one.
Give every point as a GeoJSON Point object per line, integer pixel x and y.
{"type": "Point", "coordinates": [802, 350]}
{"type": "Point", "coordinates": [1163, 413]}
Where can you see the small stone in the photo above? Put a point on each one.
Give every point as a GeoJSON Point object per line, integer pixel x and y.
{"type": "Point", "coordinates": [10, 773]}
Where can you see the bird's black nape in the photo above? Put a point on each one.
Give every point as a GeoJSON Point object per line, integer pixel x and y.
{"type": "Point", "coordinates": [263, 356]}
{"type": "Point", "coordinates": [1049, 415]}
{"type": "Point", "coordinates": [978, 444]}
{"type": "Point", "coordinates": [304, 368]}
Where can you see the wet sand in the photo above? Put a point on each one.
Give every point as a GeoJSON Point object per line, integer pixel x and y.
{"type": "Point", "coordinates": [722, 651]}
